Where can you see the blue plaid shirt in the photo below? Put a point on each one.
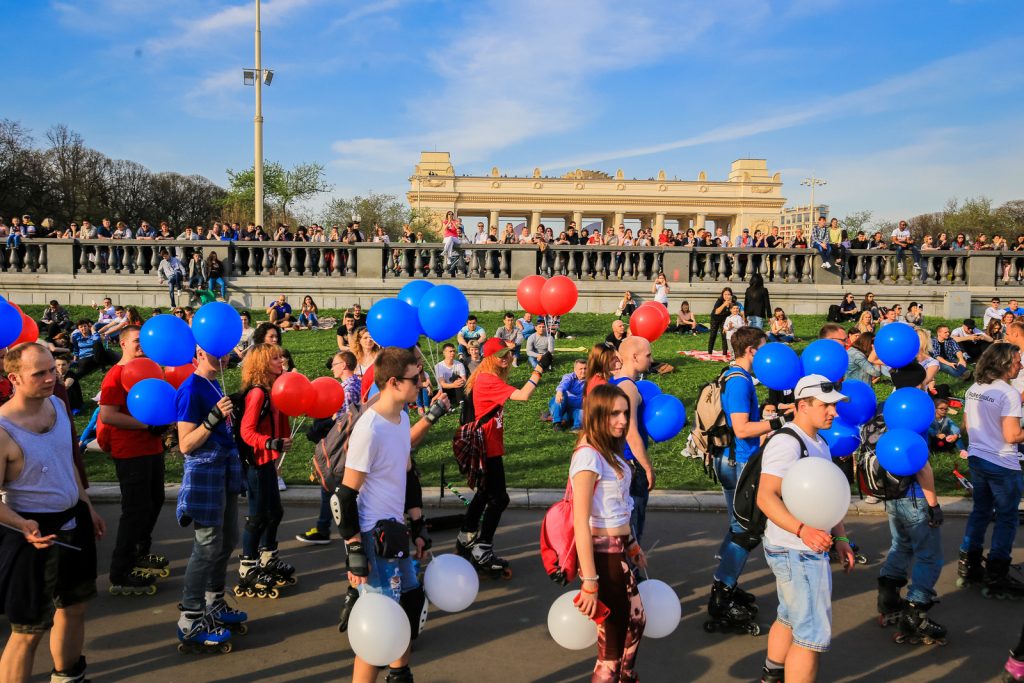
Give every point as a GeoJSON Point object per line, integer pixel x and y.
{"type": "Point", "coordinates": [947, 349]}
{"type": "Point", "coordinates": [211, 473]}
{"type": "Point", "coordinates": [819, 235]}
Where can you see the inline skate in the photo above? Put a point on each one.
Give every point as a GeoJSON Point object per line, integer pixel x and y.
{"type": "Point", "coordinates": [890, 604]}
{"type": "Point", "coordinates": [915, 626]}
{"type": "Point", "coordinates": [199, 633]}
{"type": "Point", "coordinates": [134, 583]}
{"type": "Point", "coordinates": [253, 583]}
{"type": "Point", "coordinates": [271, 565]}
{"type": "Point", "coordinates": [970, 569]}
{"type": "Point", "coordinates": [727, 615]}
{"type": "Point", "coordinates": [153, 565]}
{"type": "Point", "coordinates": [1013, 671]}
{"type": "Point", "coordinates": [482, 557]}
{"type": "Point", "coordinates": [1003, 581]}
{"type": "Point", "coordinates": [224, 615]}
{"type": "Point", "coordinates": [75, 674]}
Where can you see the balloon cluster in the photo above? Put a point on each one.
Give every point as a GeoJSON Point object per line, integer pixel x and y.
{"type": "Point", "coordinates": [649, 320]}
{"type": "Point", "coordinates": [555, 296]}
{"type": "Point", "coordinates": [421, 308]}
{"type": "Point", "coordinates": [908, 413]}
{"type": "Point", "coordinates": [663, 414]}
{"type": "Point", "coordinates": [294, 395]}
{"type": "Point", "coordinates": [15, 327]}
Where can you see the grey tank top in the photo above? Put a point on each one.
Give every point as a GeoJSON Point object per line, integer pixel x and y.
{"type": "Point", "coordinates": [47, 480]}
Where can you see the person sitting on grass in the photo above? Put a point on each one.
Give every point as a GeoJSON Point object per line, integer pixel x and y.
{"type": "Point", "coordinates": [512, 336]}
{"type": "Point", "coordinates": [308, 315]}
{"type": "Point", "coordinates": [685, 322]}
{"type": "Point", "coordinates": [87, 349]}
{"type": "Point", "coordinates": [848, 308]}
{"type": "Point", "coordinates": [781, 329]}
{"type": "Point", "coordinates": [470, 332]}
{"type": "Point", "coordinates": [539, 343]}
{"type": "Point", "coordinates": [618, 333]}
{"type": "Point", "coordinates": [944, 435]}
{"type": "Point", "coordinates": [280, 312]}
{"type": "Point", "coordinates": [451, 375]}
{"type": "Point", "coordinates": [471, 359]}
{"type": "Point", "coordinates": [948, 353]}
{"type": "Point", "coordinates": [602, 363]}
{"type": "Point", "coordinates": [568, 400]}
{"type": "Point", "coordinates": [525, 325]}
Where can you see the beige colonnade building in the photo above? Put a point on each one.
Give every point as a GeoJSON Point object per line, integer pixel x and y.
{"type": "Point", "coordinates": [750, 197]}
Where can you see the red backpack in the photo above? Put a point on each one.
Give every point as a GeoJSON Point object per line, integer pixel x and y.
{"type": "Point", "coordinates": [558, 541]}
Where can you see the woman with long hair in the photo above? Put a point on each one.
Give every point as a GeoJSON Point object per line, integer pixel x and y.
{"type": "Point", "coordinates": [781, 329]}
{"type": "Point", "coordinates": [924, 358]}
{"type": "Point", "coordinates": [660, 290]}
{"type": "Point", "coordinates": [308, 315]}
{"type": "Point", "coordinates": [719, 312]}
{"type": "Point", "coordinates": [757, 303]}
{"type": "Point", "coordinates": [269, 333]}
{"type": "Point", "coordinates": [866, 323]}
{"type": "Point", "coordinates": [265, 430]}
{"type": "Point", "coordinates": [864, 365]}
{"type": "Point", "coordinates": [215, 274]}
{"type": "Point", "coordinates": [365, 350]}
{"type": "Point", "coordinates": [995, 329]}
{"type": "Point", "coordinates": [602, 363]}
{"type": "Point", "coordinates": [685, 322]}
{"type": "Point", "coordinates": [487, 391]}
{"type": "Point", "coordinates": [605, 545]}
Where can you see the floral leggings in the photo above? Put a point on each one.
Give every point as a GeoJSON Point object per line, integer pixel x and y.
{"type": "Point", "coordinates": [619, 636]}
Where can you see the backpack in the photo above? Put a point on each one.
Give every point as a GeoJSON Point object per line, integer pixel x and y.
{"type": "Point", "coordinates": [245, 451]}
{"type": "Point", "coordinates": [872, 478]}
{"type": "Point", "coordinates": [469, 445]}
{"type": "Point", "coordinates": [748, 515]}
{"type": "Point", "coordinates": [834, 314]}
{"type": "Point", "coordinates": [558, 541]}
{"type": "Point", "coordinates": [329, 453]}
{"type": "Point", "coordinates": [711, 434]}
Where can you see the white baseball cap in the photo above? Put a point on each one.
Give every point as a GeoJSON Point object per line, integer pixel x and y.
{"type": "Point", "coordinates": [819, 387]}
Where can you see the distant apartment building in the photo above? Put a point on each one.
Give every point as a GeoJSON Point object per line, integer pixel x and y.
{"type": "Point", "coordinates": [801, 217]}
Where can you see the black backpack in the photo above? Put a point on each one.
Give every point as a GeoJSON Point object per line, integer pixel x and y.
{"type": "Point", "coordinates": [748, 515]}
{"type": "Point", "coordinates": [835, 315]}
{"type": "Point", "coordinates": [245, 451]}
{"type": "Point", "coordinates": [872, 478]}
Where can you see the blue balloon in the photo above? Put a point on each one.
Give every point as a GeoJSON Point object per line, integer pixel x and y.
{"type": "Point", "coordinates": [648, 389]}
{"type": "Point", "coordinates": [151, 402]}
{"type": "Point", "coordinates": [414, 291]}
{"type": "Point", "coordinates": [909, 408]}
{"type": "Point", "coordinates": [374, 390]}
{"type": "Point", "coordinates": [861, 407]}
{"type": "Point", "coordinates": [777, 366]}
{"type": "Point", "coordinates": [897, 344]}
{"type": "Point", "coordinates": [168, 340]}
{"type": "Point", "coordinates": [217, 328]}
{"type": "Point", "coordinates": [664, 416]}
{"type": "Point", "coordinates": [902, 452]}
{"type": "Point", "coordinates": [10, 323]}
{"type": "Point", "coordinates": [842, 439]}
{"type": "Point", "coordinates": [443, 311]}
{"type": "Point", "coordinates": [389, 323]}
{"type": "Point", "coordinates": [824, 357]}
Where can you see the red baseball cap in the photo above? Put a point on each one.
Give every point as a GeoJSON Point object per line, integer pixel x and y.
{"type": "Point", "coordinates": [495, 347]}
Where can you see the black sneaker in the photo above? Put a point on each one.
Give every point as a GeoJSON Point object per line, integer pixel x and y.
{"type": "Point", "coordinates": [313, 537]}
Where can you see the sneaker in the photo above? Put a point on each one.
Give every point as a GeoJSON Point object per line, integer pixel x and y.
{"type": "Point", "coordinates": [826, 265]}
{"type": "Point", "coordinates": [871, 500]}
{"type": "Point", "coordinates": [313, 537]}
{"type": "Point", "coordinates": [281, 485]}
{"type": "Point", "coordinates": [917, 267]}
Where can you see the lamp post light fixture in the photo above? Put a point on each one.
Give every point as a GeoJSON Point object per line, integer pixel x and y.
{"type": "Point", "coordinates": [813, 182]}
{"type": "Point", "coordinates": [257, 77]}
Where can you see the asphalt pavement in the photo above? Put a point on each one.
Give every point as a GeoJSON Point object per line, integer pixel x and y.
{"type": "Point", "coordinates": [503, 635]}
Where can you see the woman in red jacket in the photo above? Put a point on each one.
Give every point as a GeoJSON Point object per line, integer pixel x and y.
{"type": "Point", "coordinates": [265, 432]}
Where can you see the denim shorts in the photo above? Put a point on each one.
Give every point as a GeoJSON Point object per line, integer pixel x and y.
{"type": "Point", "coordinates": [804, 581]}
{"type": "Point", "coordinates": [390, 577]}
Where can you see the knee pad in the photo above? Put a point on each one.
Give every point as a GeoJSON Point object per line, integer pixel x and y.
{"type": "Point", "coordinates": [255, 524]}
{"type": "Point", "coordinates": [414, 604]}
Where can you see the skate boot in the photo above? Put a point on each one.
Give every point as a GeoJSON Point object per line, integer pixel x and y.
{"type": "Point", "coordinates": [1013, 672]}
{"type": "Point", "coordinates": [402, 675]}
{"type": "Point", "coordinates": [253, 583]}
{"type": "Point", "coordinates": [772, 675]}
{"type": "Point", "coordinates": [271, 565]}
{"type": "Point", "coordinates": [970, 570]}
{"type": "Point", "coordinates": [135, 583]}
{"type": "Point", "coordinates": [351, 595]}
{"type": "Point", "coordinates": [198, 632]}
{"type": "Point", "coordinates": [464, 543]}
{"type": "Point", "coordinates": [153, 565]}
{"type": "Point", "coordinates": [890, 604]}
{"type": "Point", "coordinates": [726, 615]}
{"type": "Point", "coordinates": [75, 674]}
{"type": "Point", "coordinates": [915, 626]}
{"type": "Point", "coordinates": [745, 599]}
{"type": "Point", "coordinates": [486, 562]}
{"type": "Point", "coordinates": [1000, 582]}
{"type": "Point", "coordinates": [224, 615]}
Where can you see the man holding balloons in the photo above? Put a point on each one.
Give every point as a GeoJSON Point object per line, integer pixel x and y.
{"type": "Point", "coordinates": [797, 541]}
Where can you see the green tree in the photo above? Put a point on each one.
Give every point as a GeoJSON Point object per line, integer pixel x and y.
{"type": "Point", "coordinates": [385, 210]}
{"type": "Point", "coordinates": [281, 187]}
{"type": "Point", "coordinates": [974, 216]}
{"type": "Point", "coordinates": [855, 222]}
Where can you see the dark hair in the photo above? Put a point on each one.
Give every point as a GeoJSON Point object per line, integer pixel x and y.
{"type": "Point", "coordinates": [472, 317]}
{"type": "Point", "coordinates": [348, 358]}
{"type": "Point", "coordinates": [448, 345]}
{"type": "Point", "coordinates": [391, 364]}
{"type": "Point", "coordinates": [260, 335]}
{"type": "Point", "coordinates": [969, 323]}
{"type": "Point", "coordinates": [510, 314]}
{"type": "Point", "coordinates": [995, 363]}
{"type": "Point", "coordinates": [84, 321]}
{"type": "Point", "coordinates": [745, 338]}
{"type": "Point", "coordinates": [863, 342]}
{"type": "Point", "coordinates": [53, 302]}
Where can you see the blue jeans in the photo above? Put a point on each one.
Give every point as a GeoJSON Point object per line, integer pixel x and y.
{"type": "Point", "coordinates": [954, 370]}
{"type": "Point", "coordinates": [173, 283]}
{"type": "Point", "coordinates": [324, 520]}
{"type": "Point", "coordinates": [639, 493]}
{"type": "Point", "coordinates": [803, 581]}
{"type": "Point", "coordinates": [756, 321]}
{"type": "Point", "coordinates": [390, 577]}
{"type": "Point", "coordinates": [825, 250]}
{"type": "Point", "coordinates": [915, 253]}
{"type": "Point", "coordinates": [14, 241]}
{"type": "Point", "coordinates": [787, 338]}
{"type": "Point", "coordinates": [265, 510]}
{"type": "Point", "coordinates": [423, 398]}
{"type": "Point", "coordinates": [308, 320]}
{"type": "Point", "coordinates": [734, 556]}
{"type": "Point", "coordinates": [560, 412]}
{"type": "Point", "coordinates": [219, 282]}
{"type": "Point", "coordinates": [210, 554]}
{"type": "Point", "coordinates": [996, 490]}
{"type": "Point", "coordinates": [913, 542]}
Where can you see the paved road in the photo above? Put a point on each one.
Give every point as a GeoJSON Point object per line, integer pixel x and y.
{"type": "Point", "coordinates": [503, 636]}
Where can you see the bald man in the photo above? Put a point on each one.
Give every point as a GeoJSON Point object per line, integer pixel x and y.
{"type": "Point", "coordinates": [635, 355]}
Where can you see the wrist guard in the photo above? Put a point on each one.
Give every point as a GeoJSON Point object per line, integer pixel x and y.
{"type": "Point", "coordinates": [156, 430]}
{"type": "Point", "coordinates": [213, 418]}
{"type": "Point", "coordinates": [274, 445]}
{"type": "Point", "coordinates": [356, 561]}
{"type": "Point", "coordinates": [436, 412]}
{"type": "Point", "coordinates": [545, 361]}
{"type": "Point", "coordinates": [935, 516]}
{"type": "Point", "coordinates": [418, 529]}
{"type": "Point", "coordinates": [777, 422]}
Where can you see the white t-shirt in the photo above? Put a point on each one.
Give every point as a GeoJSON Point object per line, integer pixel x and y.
{"type": "Point", "coordinates": [380, 449]}
{"type": "Point", "coordinates": [901, 234]}
{"type": "Point", "coordinates": [992, 313]}
{"type": "Point", "coordinates": [733, 323]}
{"type": "Point", "coordinates": [661, 294]}
{"type": "Point", "coordinates": [612, 504]}
{"type": "Point", "coordinates": [985, 406]}
{"type": "Point", "coordinates": [446, 374]}
{"type": "Point", "coordinates": [777, 458]}
{"type": "Point", "coordinates": [961, 332]}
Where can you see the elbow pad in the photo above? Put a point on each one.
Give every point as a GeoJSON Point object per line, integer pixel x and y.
{"type": "Point", "coordinates": [413, 490]}
{"type": "Point", "coordinates": [345, 502]}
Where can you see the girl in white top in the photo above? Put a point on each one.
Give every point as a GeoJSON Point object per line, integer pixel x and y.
{"type": "Point", "coordinates": [660, 289]}
{"type": "Point", "coordinates": [604, 545]}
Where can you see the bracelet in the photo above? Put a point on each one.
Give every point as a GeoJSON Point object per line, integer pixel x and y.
{"type": "Point", "coordinates": [799, 529]}
{"type": "Point", "coordinates": [530, 381]}
{"type": "Point", "coordinates": [590, 578]}
{"type": "Point", "coordinates": [584, 590]}
{"type": "Point", "coordinates": [844, 539]}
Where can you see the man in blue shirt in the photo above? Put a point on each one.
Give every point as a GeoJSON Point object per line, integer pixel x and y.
{"type": "Point", "coordinates": [208, 499]}
{"type": "Point", "coordinates": [568, 400]}
{"type": "Point", "coordinates": [742, 415]}
{"type": "Point", "coordinates": [280, 312]}
{"type": "Point", "coordinates": [1014, 308]}
{"type": "Point", "coordinates": [471, 332]}
{"type": "Point", "coordinates": [87, 349]}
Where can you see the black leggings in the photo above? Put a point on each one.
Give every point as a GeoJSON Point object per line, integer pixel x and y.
{"type": "Point", "coordinates": [717, 325]}
{"type": "Point", "coordinates": [265, 509]}
{"type": "Point", "coordinates": [491, 499]}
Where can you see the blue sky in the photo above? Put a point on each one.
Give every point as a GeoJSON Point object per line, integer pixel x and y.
{"type": "Point", "coordinates": [898, 105]}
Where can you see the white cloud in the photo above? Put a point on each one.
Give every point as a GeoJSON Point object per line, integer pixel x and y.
{"type": "Point", "coordinates": [194, 32]}
{"type": "Point", "coordinates": [364, 10]}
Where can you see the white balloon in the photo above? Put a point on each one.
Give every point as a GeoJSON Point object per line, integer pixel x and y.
{"type": "Point", "coordinates": [568, 626]}
{"type": "Point", "coordinates": [816, 492]}
{"type": "Point", "coordinates": [662, 608]}
{"type": "Point", "coordinates": [378, 629]}
{"type": "Point", "coordinates": [451, 582]}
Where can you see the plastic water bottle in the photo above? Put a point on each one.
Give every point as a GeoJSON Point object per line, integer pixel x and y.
{"type": "Point", "coordinates": [396, 584]}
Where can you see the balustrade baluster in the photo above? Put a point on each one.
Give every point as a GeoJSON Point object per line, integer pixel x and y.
{"type": "Point", "coordinates": [296, 262]}
{"type": "Point", "coordinates": [960, 276]}
{"type": "Point", "coordinates": [43, 259]}
{"type": "Point", "coordinates": [282, 261]}
{"type": "Point", "coordinates": [238, 258]}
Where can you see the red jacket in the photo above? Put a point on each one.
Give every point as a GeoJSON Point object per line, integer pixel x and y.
{"type": "Point", "coordinates": [274, 425]}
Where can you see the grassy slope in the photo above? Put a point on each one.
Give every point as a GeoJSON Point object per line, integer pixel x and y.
{"type": "Point", "coordinates": [537, 456]}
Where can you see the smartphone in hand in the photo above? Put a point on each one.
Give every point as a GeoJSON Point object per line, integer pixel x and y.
{"type": "Point", "coordinates": [602, 610]}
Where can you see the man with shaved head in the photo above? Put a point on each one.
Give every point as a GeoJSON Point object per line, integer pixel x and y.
{"type": "Point", "coordinates": [635, 355]}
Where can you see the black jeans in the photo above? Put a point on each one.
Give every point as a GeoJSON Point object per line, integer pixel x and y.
{"type": "Point", "coordinates": [717, 325]}
{"type": "Point", "coordinates": [491, 499]}
{"type": "Point", "coordinates": [265, 510]}
{"type": "Point", "coordinates": [142, 495]}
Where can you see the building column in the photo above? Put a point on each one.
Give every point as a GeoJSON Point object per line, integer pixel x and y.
{"type": "Point", "coordinates": [698, 223]}
{"type": "Point", "coordinates": [494, 220]}
{"type": "Point", "coordinates": [577, 218]}
{"type": "Point", "coordinates": [659, 223]}
{"type": "Point", "coordinates": [645, 222]}
{"type": "Point", "coordinates": [617, 219]}
{"type": "Point", "coordinates": [534, 221]}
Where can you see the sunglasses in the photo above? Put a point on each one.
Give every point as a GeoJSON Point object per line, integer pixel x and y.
{"type": "Point", "coordinates": [827, 386]}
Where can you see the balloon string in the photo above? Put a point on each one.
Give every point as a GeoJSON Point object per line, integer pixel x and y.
{"type": "Point", "coordinates": [297, 425]}
{"type": "Point", "coordinates": [648, 555]}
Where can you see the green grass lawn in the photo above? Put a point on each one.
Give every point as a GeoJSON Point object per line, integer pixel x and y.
{"type": "Point", "coordinates": [536, 456]}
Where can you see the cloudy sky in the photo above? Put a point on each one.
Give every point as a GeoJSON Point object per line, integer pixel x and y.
{"type": "Point", "coordinates": [898, 105]}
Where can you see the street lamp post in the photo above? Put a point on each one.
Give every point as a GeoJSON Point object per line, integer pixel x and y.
{"type": "Point", "coordinates": [813, 182]}
{"type": "Point", "coordinates": [257, 77]}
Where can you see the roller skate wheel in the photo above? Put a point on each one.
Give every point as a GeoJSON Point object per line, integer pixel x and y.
{"type": "Point", "coordinates": [225, 647]}
{"type": "Point", "coordinates": [754, 629]}
{"type": "Point", "coordinates": [860, 559]}
{"type": "Point", "coordinates": [150, 590]}
{"type": "Point", "coordinates": [709, 627]}
{"type": "Point", "coordinates": [961, 582]}
{"type": "Point", "coordinates": [113, 590]}
{"type": "Point", "coordinates": [250, 593]}
{"type": "Point", "coordinates": [242, 629]}
{"type": "Point", "coordinates": [291, 581]}
{"type": "Point", "coordinates": [164, 573]}
{"type": "Point", "coordinates": [899, 638]}
{"type": "Point", "coordinates": [183, 649]}
{"type": "Point", "coordinates": [238, 591]}
{"type": "Point", "coordinates": [273, 594]}
{"type": "Point", "coordinates": [506, 573]}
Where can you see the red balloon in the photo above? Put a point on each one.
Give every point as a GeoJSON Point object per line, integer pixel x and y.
{"type": "Point", "coordinates": [326, 397]}
{"type": "Point", "coordinates": [661, 310]}
{"type": "Point", "coordinates": [135, 371]}
{"type": "Point", "coordinates": [530, 293]}
{"type": "Point", "coordinates": [29, 330]}
{"type": "Point", "coordinates": [559, 295]}
{"type": "Point", "coordinates": [647, 323]}
{"type": "Point", "coordinates": [289, 393]}
{"type": "Point", "coordinates": [177, 375]}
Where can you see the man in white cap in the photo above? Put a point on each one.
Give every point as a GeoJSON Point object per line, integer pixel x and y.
{"type": "Point", "coordinates": [796, 552]}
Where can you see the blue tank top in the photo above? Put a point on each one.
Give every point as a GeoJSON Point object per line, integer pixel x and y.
{"type": "Point", "coordinates": [628, 454]}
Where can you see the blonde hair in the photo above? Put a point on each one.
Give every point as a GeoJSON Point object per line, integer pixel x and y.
{"type": "Point", "coordinates": [256, 366]}
{"type": "Point", "coordinates": [491, 365]}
